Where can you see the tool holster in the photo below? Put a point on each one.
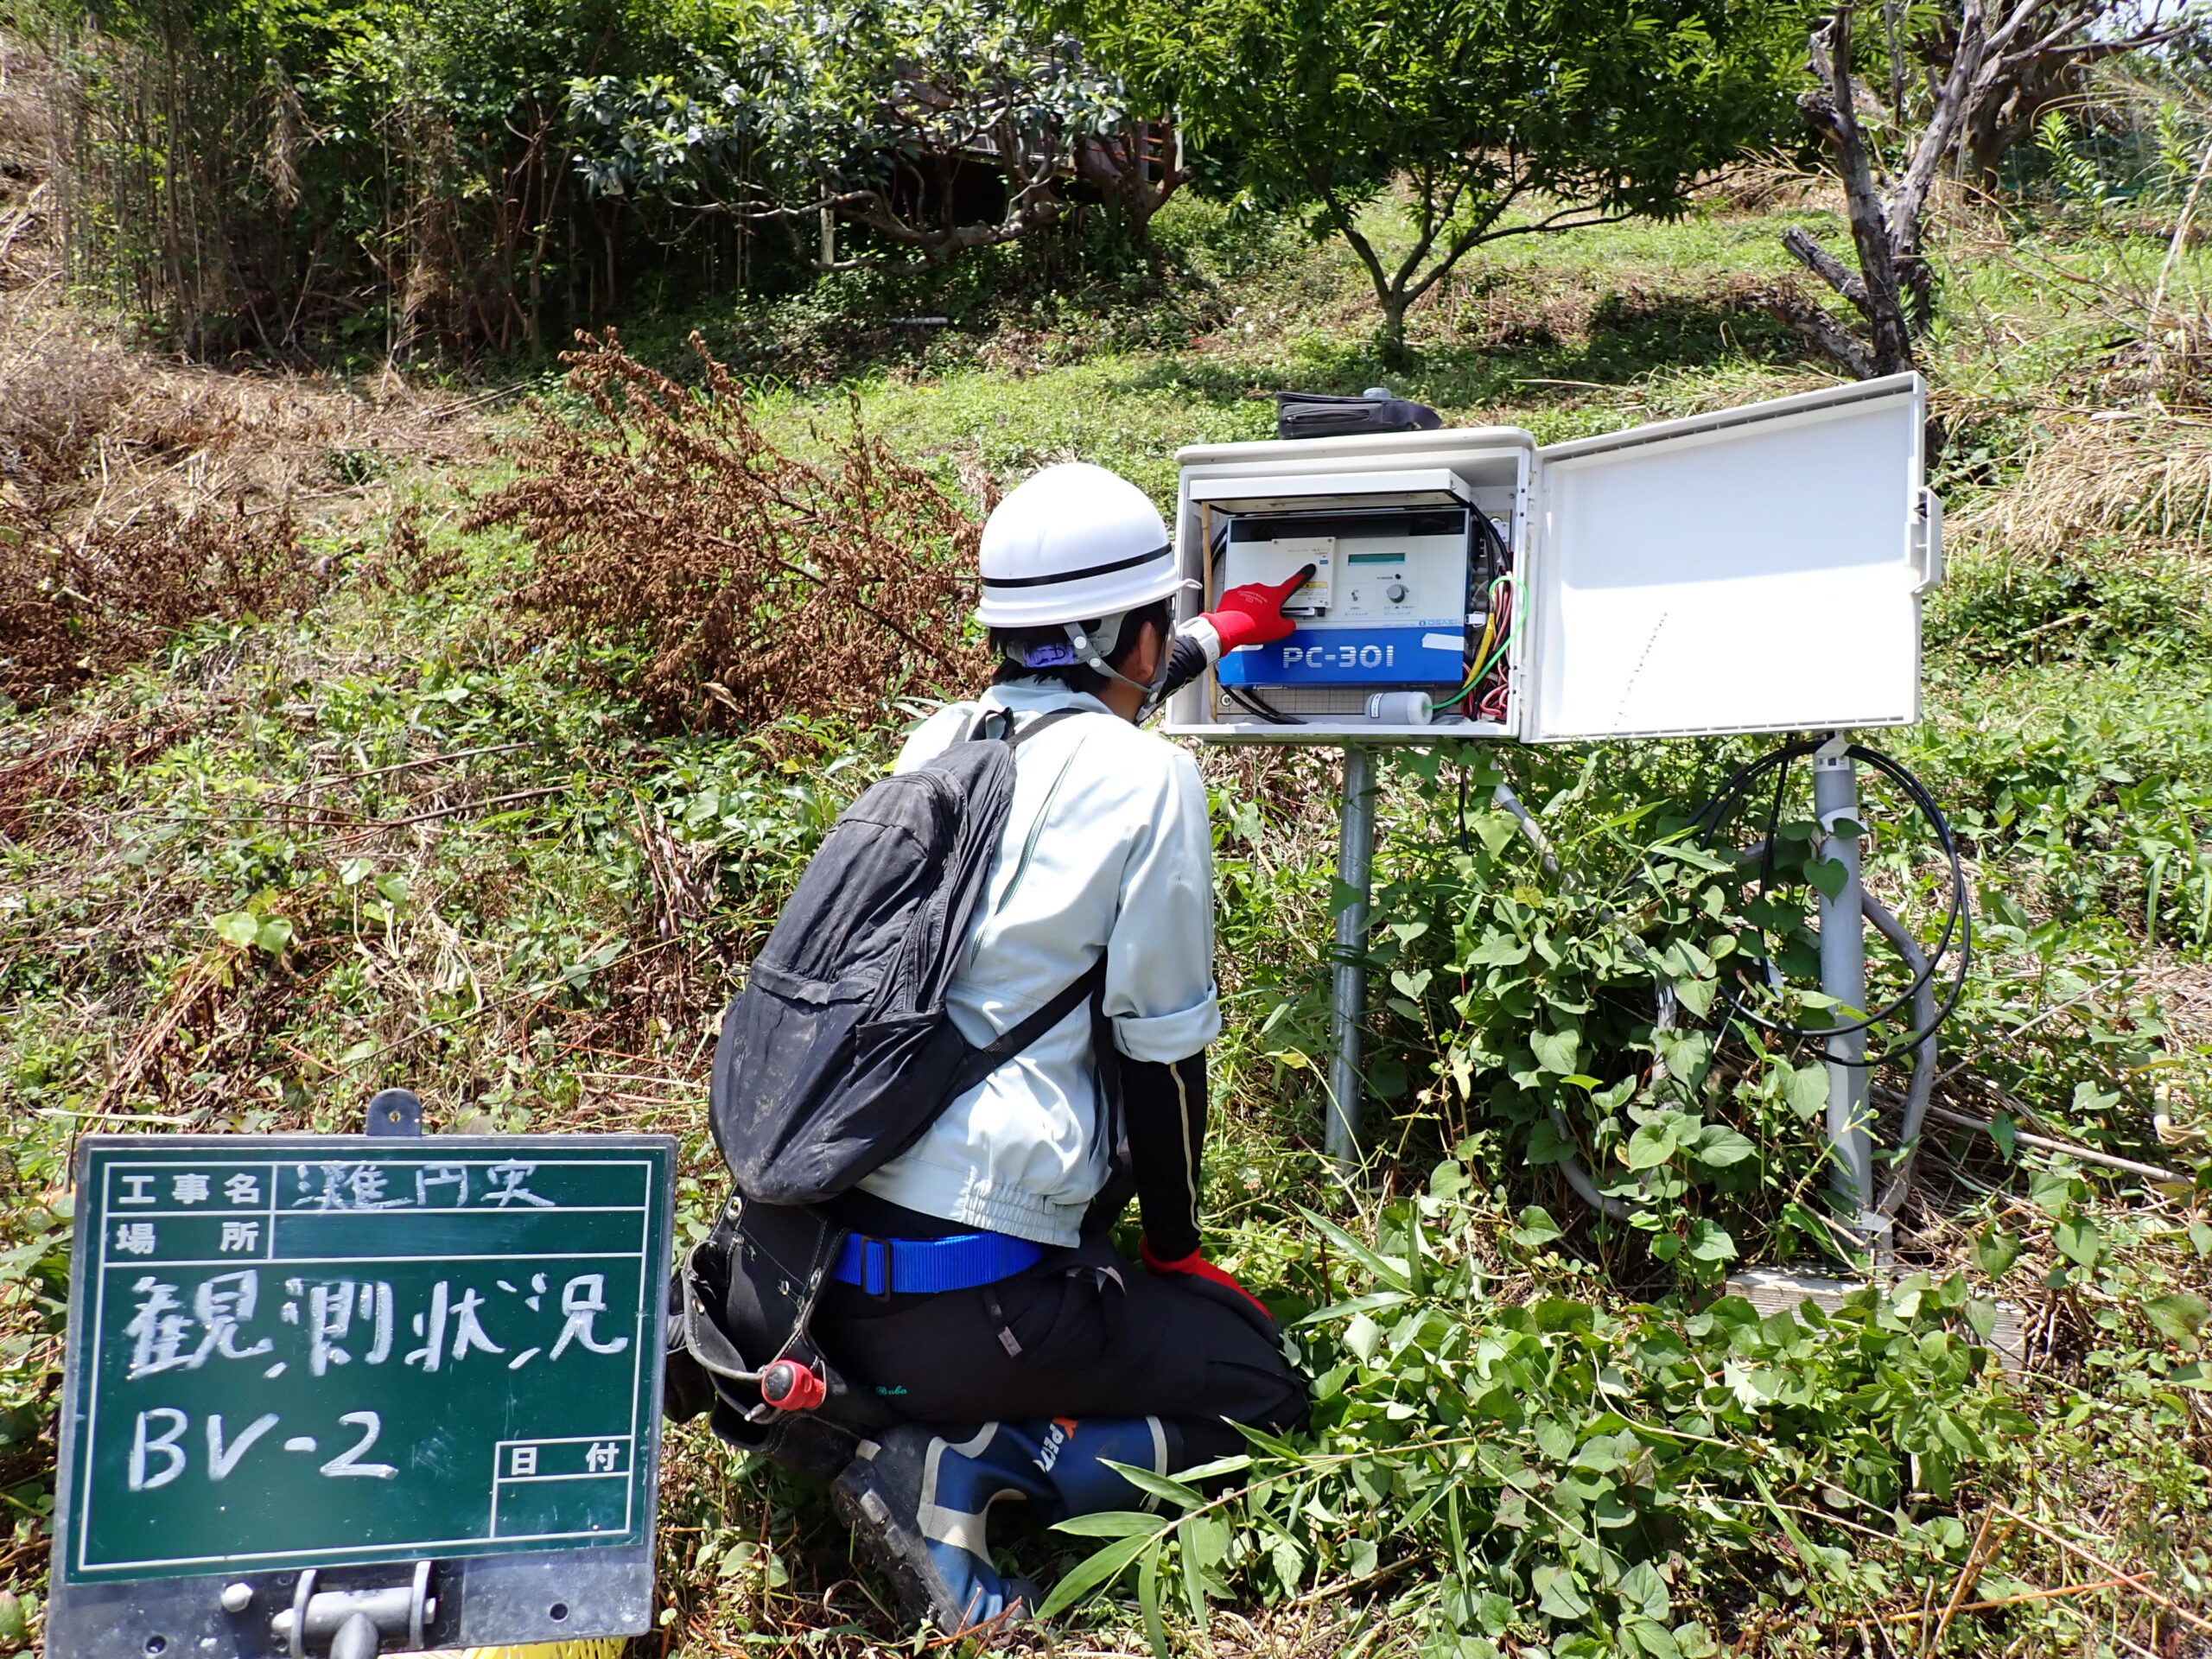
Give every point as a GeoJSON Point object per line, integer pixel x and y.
{"type": "Point", "coordinates": [741, 1347]}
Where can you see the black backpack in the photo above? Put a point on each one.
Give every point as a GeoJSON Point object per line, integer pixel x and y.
{"type": "Point", "coordinates": [837, 1054]}
{"type": "Point", "coordinates": [1318, 414]}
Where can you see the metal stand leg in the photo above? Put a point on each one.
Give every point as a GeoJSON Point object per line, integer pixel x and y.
{"type": "Point", "coordinates": [1843, 977]}
{"type": "Point", "coordinates": [1348, 995]}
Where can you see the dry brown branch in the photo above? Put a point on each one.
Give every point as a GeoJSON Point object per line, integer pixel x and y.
{"type": "Point", "coordinates": [2062, 1592]}
{"type": "Point", "coordinates": [1969, 1575]}
{"type": "Point", "coordinates": [1988, 75]}
{"type": "Point", "coordinates": [756, 584]}
{"type": "Point", "coordinates": [369, 828]}
{"type": "Point", "coordinates": [198, 983]}
{"type": "Point", "coordinates": [2107, 1568]}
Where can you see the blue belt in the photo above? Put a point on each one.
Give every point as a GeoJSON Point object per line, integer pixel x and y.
{"type": "Point", "coordinates": [883, 1267]}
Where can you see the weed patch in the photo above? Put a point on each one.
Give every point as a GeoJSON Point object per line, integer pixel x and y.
{"type": "Point", "coordinates": [74, 607]}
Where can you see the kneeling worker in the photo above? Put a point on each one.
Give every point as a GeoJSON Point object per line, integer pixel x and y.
{"type": "Point", "coordinates": [979, 1287]}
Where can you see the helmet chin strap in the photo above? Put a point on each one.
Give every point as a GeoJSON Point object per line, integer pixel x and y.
{"type": "Point", "coordinates": [1092, 653]}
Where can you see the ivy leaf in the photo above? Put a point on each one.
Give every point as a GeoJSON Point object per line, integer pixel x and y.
{"type": "Point", "coordinates": [1995, 1250]}
{"type": "Point", "coordinates": [1555, 1050]}
{"type": "Point", "coordinates": [1709, 1242]}
{"type": "Point", "coordinates": [1696, 996]}
{"type": "Point", "coordinates": [1807, 1091]}
{"type": "Point", "coordinates": [1547, 1146]}
{"type": "Point", "coordinates": [1720, 1147]}
{"type": "Point", "coordinates": [1828, 874]}
{"type": "Point", "coordinates": [1641, 1585]}
{"type": "Point", "coordinates": [241, 928]}
{"type": "Point", "coordinates": [1557, 1595]}
{"type": "Point", "coordinates": [1289, 1563]}
{"type": "Point", "coordinates": [2179, 1314]}
{"type": "Point", "coordinates": [1654, 1143]}
{"type": "Point", "coordinates": [2078, 1241]}
{"type": "Point", "coordinates": [1361, 1337]}
{"type": "Point", "coordinates": [1537, 1228]}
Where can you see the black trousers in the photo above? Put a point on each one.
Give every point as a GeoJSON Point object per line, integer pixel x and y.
{"type": "Point", "coordinates": [1083, 1333]}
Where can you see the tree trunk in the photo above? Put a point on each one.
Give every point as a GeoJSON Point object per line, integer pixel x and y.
{"type": "Point", "coordinates": [1391, 337]}
{"type": "Point", "coordinates": [2006, 61]}
{"type": "Point", "coordinates": [1882, 242]}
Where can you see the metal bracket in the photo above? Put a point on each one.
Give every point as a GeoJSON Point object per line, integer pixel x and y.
{"type": "Point", "coordinates": [356, 1621]}
{"type": "Point", "coordinates": [1348, 988]}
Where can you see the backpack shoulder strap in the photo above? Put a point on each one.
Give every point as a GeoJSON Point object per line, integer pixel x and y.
{"type": "Point", "coordinates": [999, 723]}
{"type": "Point", "coordinates": [984, 1061]}
{"type": "Point", "coordinates": [1043, 721]}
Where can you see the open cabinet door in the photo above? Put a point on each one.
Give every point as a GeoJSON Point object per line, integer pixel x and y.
{"type": "Point", "coordinates": [1754, 569]}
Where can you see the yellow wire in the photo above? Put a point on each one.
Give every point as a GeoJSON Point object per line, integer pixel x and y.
{"type": "Point", "coordinates": [603, 1647]}
{"type": "Point", "coordinates": [1482, 652]}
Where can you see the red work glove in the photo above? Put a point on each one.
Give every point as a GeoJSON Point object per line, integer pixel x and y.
{"type": "Point", "coordinates": [1252, 614]}
{"type": "Point", "coordinates": [1196, 1264]}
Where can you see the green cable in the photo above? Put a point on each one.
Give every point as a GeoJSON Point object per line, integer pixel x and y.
{"type": "Point", "coordinates": [1504, 639]}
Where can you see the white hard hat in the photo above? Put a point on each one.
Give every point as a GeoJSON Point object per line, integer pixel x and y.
{"type": "Point", "coordinates": [1073, 544]}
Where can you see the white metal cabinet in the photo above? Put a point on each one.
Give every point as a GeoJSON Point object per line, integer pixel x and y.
{"type": "Point", "coordinates": [1755, 569]}
{"type": "Point", "coordinates": [1752, 569]}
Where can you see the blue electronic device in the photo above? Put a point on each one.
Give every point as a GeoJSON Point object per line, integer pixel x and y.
{"type": "Point", "coordinates": [1423, 654]}
{"type": "Point", "coordinates": [1387, 604]}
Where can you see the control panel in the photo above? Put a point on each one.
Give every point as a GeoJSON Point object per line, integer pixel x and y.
{"type": "Point", "coordinates": [1387, 604]}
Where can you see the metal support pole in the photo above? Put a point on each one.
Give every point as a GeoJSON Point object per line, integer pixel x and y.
{"type": "Point", "coordinates": [1348, 993]}
{"type": "Point", "coordinates": [1843, 977]}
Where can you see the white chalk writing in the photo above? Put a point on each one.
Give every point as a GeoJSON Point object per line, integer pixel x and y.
{"type": "Point", "coordinates": [508, 1187]}
{"type": "Point", "coordinates": [584, 1299]}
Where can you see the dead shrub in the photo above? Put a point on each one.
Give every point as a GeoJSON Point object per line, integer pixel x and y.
{"type": "Point", "coordinates": [77, 603]}
{"type": "Point", "coordinates": [56, 403]}
{"type": "Point", "coordinates": [756, 584]}
{"type": "Point", "coordinates": [32, 95]}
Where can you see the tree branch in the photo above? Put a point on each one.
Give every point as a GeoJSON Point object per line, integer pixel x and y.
{"type": "Point", "coordinates": [1825, 266]}
{"type": "Point", "coordinates": [1819, 329]}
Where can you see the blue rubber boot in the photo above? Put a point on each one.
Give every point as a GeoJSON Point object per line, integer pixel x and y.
{"type": "Point", "coordinates": [920, 1504]}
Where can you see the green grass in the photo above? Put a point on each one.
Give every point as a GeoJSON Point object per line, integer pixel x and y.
{"type": "Point", "coordinates": [525, 962]}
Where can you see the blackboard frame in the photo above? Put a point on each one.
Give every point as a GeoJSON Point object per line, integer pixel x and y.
{"type": "Point", "coordinates": [489, 1599]}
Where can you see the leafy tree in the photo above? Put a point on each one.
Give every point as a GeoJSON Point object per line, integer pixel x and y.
{"type": "Point", "coordinates": [1505, 117]}
{"type": "Point", "coordinates": [937, 126]}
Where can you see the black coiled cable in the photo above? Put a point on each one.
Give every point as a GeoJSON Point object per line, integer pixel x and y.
{"type": "Point", "coordinates": [1958, 922]}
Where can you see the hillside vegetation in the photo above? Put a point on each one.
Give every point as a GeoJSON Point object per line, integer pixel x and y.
{"type": "Point", "coordinates": [362, 734]}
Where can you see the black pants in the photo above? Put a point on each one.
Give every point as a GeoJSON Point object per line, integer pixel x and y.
{"type": "Point", "coordinates": [1083, 1333]}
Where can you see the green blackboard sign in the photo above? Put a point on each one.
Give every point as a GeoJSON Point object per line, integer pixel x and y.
{"type": "Point", "coordinates": [291, 1352]}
